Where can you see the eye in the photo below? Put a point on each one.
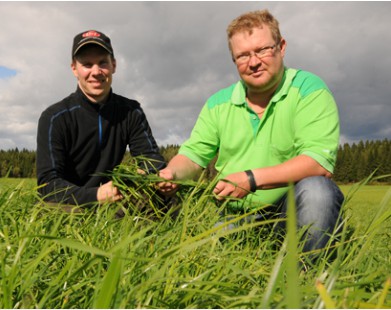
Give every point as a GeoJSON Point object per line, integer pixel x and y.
{"type": "Point", "coordinates": [262, 50]}
{"type": "Point", "coordinates": [104, 64]}
{"type": "Point", "coordinates": [86, 65]}
{"type": "Point", "coordinates": [242, 56]}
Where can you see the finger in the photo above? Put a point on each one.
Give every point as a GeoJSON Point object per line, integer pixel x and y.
{"type": "Point", "coordinates": [218, 193]}
{"type": "Point", "coordinates": [165, 175]}
{"type": "Point", "coordinates": [163, 185]}
{"type": "Point", "coordinates": [225, 191]}
{"type": "Point", "coordinates": [219, 187]}
{"type": "Point", "coordinates": [220, 196]}
{"type": "Point", "coordinates": [117, 197]}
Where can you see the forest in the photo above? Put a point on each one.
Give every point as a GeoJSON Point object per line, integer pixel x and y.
{"type": "Point", "coordinates": [355, 162]}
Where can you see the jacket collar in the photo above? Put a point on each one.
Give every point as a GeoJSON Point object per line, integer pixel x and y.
{"type": "Point", "coordinates": [88, 104]}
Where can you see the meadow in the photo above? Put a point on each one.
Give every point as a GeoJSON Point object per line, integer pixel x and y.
{"type": "Point", "coordinates": [179, 259]}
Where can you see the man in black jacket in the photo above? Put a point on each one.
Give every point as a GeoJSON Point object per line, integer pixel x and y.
{"type": "Point", "coordinates": [86, 134]}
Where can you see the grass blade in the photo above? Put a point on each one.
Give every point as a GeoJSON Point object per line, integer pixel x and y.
{"type": "Point", "coordinates": [105, 298]}
{"type": "Point", "coordinates": [293, 290]}
{"type": "Point", "coordinates": [383, 295]}
{"type": "Point", "coordinates": [329, 303]}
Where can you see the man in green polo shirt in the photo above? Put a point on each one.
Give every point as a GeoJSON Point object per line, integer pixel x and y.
{"type": "Point", "coordinates": [275, 126]}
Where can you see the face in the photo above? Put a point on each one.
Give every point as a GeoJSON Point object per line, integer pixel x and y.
{"type": "Point", "coordinates": [260, 74]}
{"type": "Point", "coordinates": [94, 67]}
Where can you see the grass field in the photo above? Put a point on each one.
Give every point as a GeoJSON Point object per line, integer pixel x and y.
{"type": "Point", "coordinates": [51, 259]}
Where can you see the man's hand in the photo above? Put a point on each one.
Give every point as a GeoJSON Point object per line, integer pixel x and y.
{"type": "Point", "coordinates": [108, 192]}
{"type": "Point", "coordinates": [238, 187]}
{"type": "Point", "coordinates": [167, 188]}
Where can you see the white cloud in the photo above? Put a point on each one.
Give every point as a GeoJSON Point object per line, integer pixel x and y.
{"type": "Point", "coordinates": [173, 55]}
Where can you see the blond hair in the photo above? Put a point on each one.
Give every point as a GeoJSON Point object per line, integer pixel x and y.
{"type": "Point", "coordinates": [249, 21]}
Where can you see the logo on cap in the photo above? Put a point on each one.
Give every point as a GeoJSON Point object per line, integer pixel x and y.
{"type": "Point", "coordinates": [91, 34]}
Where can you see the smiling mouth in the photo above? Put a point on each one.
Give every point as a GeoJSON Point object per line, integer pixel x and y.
{"type": "Point", "coordinates": [97, 82]}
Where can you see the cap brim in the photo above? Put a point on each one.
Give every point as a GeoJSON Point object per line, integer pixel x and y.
{"type": "Point", "coordinates": [92, 42]}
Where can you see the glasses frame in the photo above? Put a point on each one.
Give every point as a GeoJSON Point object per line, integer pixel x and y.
{"type": "Point", "coordinates": [260, 53]}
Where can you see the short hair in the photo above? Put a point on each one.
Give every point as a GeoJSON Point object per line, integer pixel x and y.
{"type": "Point", "coordinates": [255, 19]}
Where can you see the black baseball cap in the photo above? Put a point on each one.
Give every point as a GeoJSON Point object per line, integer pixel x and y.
{"type": "Point", "coordinates": [91, 37]}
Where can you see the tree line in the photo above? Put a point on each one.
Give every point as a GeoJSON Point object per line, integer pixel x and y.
{"type": "Point", "coordinates": [358, 161]}
{"type": "Point", "coordinates": [355, 162]}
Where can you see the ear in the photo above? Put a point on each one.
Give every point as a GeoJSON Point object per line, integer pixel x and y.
{"type": "Point", "coordinates": [114, 65]}
{"type": "Point", "coordinates": [73, 67]}
{"type": "Point", "coordinates": [283, 45]}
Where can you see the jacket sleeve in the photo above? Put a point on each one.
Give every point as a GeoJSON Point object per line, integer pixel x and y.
{"type": "Point", "coordinates": [51, 166]}
{"type": "Point", "coordinates": [142, 144]}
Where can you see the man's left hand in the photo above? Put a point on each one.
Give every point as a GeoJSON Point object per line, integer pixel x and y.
{"type": "Point", "coordinates": [237, 187]}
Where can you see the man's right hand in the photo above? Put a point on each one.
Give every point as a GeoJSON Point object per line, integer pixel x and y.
{"type": "Point", "coordinates": [108, 192]}
{"type": "Point", "coordinates": [167, 188]}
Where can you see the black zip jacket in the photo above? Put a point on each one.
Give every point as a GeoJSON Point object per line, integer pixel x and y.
{"type": "Point", "coordinates": [78, 139]}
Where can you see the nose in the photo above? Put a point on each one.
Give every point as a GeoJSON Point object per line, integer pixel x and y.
{"type": "Point", "coordinates": [96, 70]}
{"type": "Point", "coordinates": [254, 61]}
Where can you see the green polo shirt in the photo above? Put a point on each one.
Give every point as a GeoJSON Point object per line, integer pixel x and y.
{"type": "Point", "coordinates": [301, 118]}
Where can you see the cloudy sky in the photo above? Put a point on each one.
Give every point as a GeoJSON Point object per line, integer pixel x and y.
{"type": "Point", "coordinates": [171, 56]}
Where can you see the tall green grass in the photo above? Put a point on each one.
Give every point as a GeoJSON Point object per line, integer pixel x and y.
{"type": "Point", "coordinates": [180, 259]}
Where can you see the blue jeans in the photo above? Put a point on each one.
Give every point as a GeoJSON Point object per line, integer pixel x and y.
{"type": "Point", "coordinates": [318, 205]}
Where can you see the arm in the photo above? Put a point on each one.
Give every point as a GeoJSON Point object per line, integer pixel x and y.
{"type": "Point", "coordinates": [143, 144]}
{"type": "Point", "coordinates": [280, 175]}
{"type": "Point", "coordinates": [179, 168]}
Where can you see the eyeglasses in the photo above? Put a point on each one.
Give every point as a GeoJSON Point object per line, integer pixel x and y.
{"type": "Point", "coordinates": [259, 53]}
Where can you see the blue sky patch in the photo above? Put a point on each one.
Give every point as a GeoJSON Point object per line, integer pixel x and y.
{"type": "Point", "coordinates": [6, 72]}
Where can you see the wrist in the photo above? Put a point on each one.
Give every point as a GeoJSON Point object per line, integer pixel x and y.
{"type": "Point", "coordinates": [251, 180]}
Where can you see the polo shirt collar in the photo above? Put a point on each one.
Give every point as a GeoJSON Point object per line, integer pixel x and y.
{"type": "Point", "coordinates": [238, 96]}
{"type": "Point", "coordinates": [285, 85]}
